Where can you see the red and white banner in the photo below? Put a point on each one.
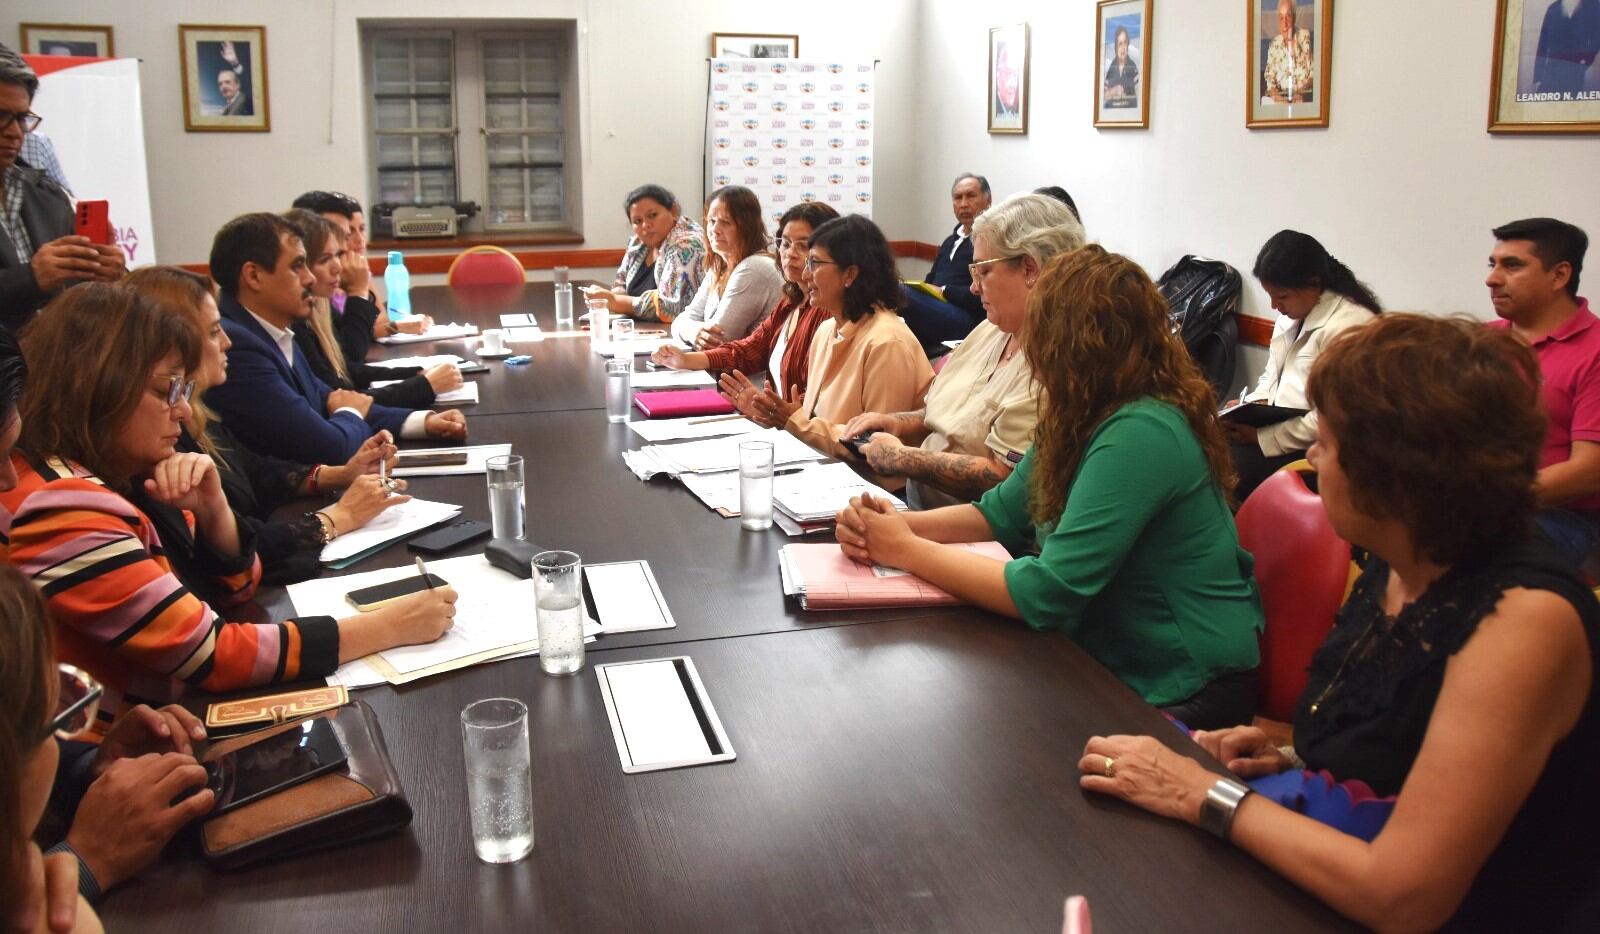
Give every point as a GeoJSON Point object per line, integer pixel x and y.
{"type": "Point", "coordinates": [95, 121]}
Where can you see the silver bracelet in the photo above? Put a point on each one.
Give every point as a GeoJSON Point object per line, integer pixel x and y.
{"type": "Point", "coordinates": [1221, 804]}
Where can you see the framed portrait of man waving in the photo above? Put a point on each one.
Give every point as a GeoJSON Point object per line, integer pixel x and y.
{"type": "Point", "coordinates": [224, 78]}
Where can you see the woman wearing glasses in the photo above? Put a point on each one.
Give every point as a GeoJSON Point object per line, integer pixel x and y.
{"type": "Point", "coordinates": [133, 542]}
{"type": "Point", "coordinates": [1118, 513]}
{"type": "Point", "coordinates": [983, 405]}
{"type": "Point", "coordinates": [742, 282]}
{"type": "Point", "coordinates": [781, 343]}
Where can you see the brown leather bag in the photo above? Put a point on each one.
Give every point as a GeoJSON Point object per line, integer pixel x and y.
{"type": "Point", "coordinates": [361, 799]}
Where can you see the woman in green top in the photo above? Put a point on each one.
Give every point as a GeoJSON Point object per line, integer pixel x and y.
{"type": "Point", "coordinates": [1120, 508]}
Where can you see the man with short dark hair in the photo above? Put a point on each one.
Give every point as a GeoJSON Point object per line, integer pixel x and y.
{"type": "Point", "coordinates": [272, 399]}
{"type": "Point", "coordinates": [39, 254]}
{"type": "Point", "coordinates": [943, 307]}
{"type": "Point", "coordinates": [1533, 283]}
{"type": "Point", "coordinates": [356, 303]}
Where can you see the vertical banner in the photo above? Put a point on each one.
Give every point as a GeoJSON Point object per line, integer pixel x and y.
{"type": "Point", "coordinates": [792, 131]}
{"type": "Point", "coordinates": [95, 121]}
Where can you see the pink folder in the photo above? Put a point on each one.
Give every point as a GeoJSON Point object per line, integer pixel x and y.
{"type": "Point", "coordinates": [678, 403]}
{"type": "Point", "coordinates": [834, 582]}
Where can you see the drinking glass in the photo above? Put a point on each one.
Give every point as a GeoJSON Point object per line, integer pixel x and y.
{"type": "Point", "coordinates": [563, 305]}
{"type": "Point", "coordinates": [558, 591]}
{"type": "Point", "coordinates": [622, 337]}
{"type": "Point", "coordinates": [506, 506]}
{"type": "Point", "coordinates": [619, 388]}
{"type": "Point", "coordinates": [755, 485]}
{"type": "Point", "coordinates": [599, 318]}
{"type": "Point", "coordinates": [494, 742]}
{"type": "Point", "coordinates": [562, 276]}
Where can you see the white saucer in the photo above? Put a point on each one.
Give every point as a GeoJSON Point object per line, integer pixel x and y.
{"type": "Point", "coordinates": [495, 356]}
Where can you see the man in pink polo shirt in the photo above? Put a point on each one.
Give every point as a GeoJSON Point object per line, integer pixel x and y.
{"type": "Point", "coordinates": [1533, 282]}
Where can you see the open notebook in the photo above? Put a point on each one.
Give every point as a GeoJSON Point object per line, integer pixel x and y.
{"type": "Point", "coordinates": [824, 579]}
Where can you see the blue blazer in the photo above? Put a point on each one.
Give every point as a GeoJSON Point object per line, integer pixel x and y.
{"type": "Point", "coordinates": [280, 410]}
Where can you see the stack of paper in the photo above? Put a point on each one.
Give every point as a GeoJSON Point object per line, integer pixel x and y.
{"type": "Point", "coordinates": [824, 579]}
{"type": "Point", "coordinates": [639, 345]}
{"type": "Point", "coordinates": [672, 379]}
{"type": "Point", "coordinates": [467, 394]}
{"type": "Point", "coordinates": [439, 332]}
{"type": "Point", "coordinates": [391, 524]}
{"type": "Point", "coordinates": [815, 495]}
{"type": "Point", "coordinates": [682, 429]}
{"type": "Point", "coordinates": [714, 455]}
{"type": "Point", "coordinates": [422, 361]}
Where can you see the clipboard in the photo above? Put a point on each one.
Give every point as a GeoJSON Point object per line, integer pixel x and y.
{"type": "Point", "coordinates": [1260, 414]}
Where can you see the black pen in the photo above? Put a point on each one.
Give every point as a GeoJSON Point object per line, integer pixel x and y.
{"type": "Point", "coordinates": [422, 569]}
{"type": "Point", "coordinates": [775, 473]}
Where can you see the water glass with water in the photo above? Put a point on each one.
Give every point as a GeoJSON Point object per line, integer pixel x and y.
{"type": "Point", "coordinates": [599, 320]}
{"type": "Point", "coordinates": [563, 305]}
{"type": "Point", "coordinates": [619, 388]}
{"type": "Point", "coordinates": [562, 276]}
{"type": "Point", "coordinates": [755, 485]}
{"type": "Point", "coordinates": [558, 590]}
{"type": "Point", "coordinates": [494, 741]}
{"type": "Point", "coordinates": [506, 505]}
{"type": "Point", "coordinates": [622, 337]}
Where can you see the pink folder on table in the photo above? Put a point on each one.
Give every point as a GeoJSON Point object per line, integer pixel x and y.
{"type": "Point", "coordinates": [679, 403]}
{"type": "Point", "coordinates": [833, 582]}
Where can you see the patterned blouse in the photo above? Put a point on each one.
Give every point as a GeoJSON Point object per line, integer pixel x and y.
{"type": "Point", "coordinates": [1286, 74]}
{"type": "Point", "coordinates": [680, 263]}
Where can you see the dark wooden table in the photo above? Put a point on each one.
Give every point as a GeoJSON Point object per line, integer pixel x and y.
{"type": "Point", "coordinates": [915, 772]}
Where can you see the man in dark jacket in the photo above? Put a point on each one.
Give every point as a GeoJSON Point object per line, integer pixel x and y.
{"type": "Point", "coordinates": [943, 307]}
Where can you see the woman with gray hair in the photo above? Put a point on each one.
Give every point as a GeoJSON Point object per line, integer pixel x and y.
{"type": "Point", "coordinates": [981, 409]}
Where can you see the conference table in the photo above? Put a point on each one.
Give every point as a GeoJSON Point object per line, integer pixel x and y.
{"type": "Point", "coordinates": [905, 770]}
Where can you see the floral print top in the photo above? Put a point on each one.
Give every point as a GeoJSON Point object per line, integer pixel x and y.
{"type": "Point", "coordinates": [679, 266]}
{"type": "Point", "coordinates": [1289, 74]}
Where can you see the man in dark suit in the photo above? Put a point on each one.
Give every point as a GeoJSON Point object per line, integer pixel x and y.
{"type": "Point", "coordinates": [39, 254]}
{"type": "Point", "coordinates": [272, 399]}
{"type": "Point", "coordinates": [954, 311]}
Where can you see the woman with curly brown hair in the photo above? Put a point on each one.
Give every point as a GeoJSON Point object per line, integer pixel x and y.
{"type": "Point", "coordinates": [1444, 764]}
{"type": "Point", "coordinates": [1120, 509]}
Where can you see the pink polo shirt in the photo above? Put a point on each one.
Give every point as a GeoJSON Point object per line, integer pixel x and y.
{"type": "Point", "coordinates": [1569, 361]}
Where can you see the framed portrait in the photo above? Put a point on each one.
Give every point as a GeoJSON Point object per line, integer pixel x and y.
{"type": "Point", "coordinates": [1008, 79]}
{"type": "Point", "coordinates": [1122, 63]}
{"type": "Point", "coordinates": [753, 45]}
{"type": "Point", "coordinates": [67, 39]}
{"type": "Point", "coordinates": [224, 78]}
{"type": "Point", "coordinates": [1288, 59]}
{"type": "Point", "coordinates": [1546, 75]}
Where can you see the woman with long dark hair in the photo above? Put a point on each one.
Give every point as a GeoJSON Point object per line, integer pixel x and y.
{"type": "Point", "coordinates": [662, 266]}
{"type": "Point", "coordinates": [1119, 511]}
{"type": "Point", "coordinates": [742, 281]}
{"type": "Point", "coordinates": [1317, 298]}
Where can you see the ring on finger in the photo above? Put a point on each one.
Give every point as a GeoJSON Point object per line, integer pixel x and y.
{"type": "Point", "coordinates": [1111, 767]}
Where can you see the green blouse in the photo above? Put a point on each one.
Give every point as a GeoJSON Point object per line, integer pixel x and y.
{"type": "Point", "coordinates": [1144, 567]}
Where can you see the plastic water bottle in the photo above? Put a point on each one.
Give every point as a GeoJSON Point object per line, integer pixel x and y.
{"type": "Point", "coordinates": [397, 282]}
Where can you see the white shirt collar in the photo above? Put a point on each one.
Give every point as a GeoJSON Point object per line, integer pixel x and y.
{"type": "Point", "coordinates": [959, 238]}
{"type": "Point", "coordinates": [283, 337]}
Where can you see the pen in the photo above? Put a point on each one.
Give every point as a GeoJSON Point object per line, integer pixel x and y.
{"type": "Point", "coordinates": [383, 473]}
{"type": "Point", "coordinates": [422, 569]}
{"type": "Point", "coordinates": [714, 418]}
{"type": "Point", "coordinates": [786, 470]}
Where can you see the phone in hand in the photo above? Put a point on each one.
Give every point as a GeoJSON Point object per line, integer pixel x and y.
{"type": "Point", "coordinates": [93, 220]}
{"type": "Point", "coordinates": [854, 445]}
{"type": "Point", "coordinates": [367, 599]}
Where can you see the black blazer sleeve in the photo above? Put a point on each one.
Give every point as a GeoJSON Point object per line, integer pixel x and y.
{"type": "Point", "coordinates": [354, 328]}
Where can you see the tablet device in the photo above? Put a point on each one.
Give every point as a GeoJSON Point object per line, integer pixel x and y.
{"type": "Point", "coordinates": [275, 763]}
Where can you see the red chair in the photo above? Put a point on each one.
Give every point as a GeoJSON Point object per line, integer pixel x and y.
{"type": "Point", "coordinates": [485, 265]}
{"type": "Point", "coordinates": [1303, 570]}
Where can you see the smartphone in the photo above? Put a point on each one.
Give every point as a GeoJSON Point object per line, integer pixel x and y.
{"type": "Point", "coordinates": [274, 764]}
{"type": "Point", "coordinates": [473, 367]}
{"type": "Point", "coordinates": [439, 459]}
{"type": "Point", "coordinates": [370, 598]}
{"type": "Point", "coordinates": [94, 221]}
{"type": "Point", "coordinates": [450, 537]}
{"type": "Point", "coordinates": [853, 445]}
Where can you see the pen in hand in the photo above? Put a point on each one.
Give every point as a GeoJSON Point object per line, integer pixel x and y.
{"type": "Point", "coordinates": [422, 571]}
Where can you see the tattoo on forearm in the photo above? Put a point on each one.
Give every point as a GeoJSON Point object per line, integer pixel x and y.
{"type": "Point", "coordinates": [962, 475]}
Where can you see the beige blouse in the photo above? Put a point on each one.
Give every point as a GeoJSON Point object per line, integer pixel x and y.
{"type": "Point", "coordinates": [871, 365]}
{"type": "Point", "coordinates": [980, 406]}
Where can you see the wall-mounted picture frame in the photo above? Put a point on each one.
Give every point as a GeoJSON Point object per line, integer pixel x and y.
{"type": "Point", "coordinates": [754, 45]}
{"type": "Point", "coordinates": [1288, 63]}
{"type": "Point", "coordinates": [1546, 76]}
{"type": "Point", "coordinates": [224, 78]}
{"type": "Point", "coordinates": [1122, 64]}
{"type": "Point", "coordinates": [67, 39]}
{"type": "Point", "coordinates": [1008, 79]}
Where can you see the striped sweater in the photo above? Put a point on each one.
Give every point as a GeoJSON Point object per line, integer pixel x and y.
{"type": "Point", "coordinates": [121, 611]}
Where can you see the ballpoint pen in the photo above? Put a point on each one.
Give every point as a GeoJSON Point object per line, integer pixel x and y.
{"type": "Point", "coordinates": [422, 569]}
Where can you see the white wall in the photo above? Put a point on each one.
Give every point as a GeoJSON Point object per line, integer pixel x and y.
{"type": "Point", "coordinates": [1403, 186]}
{"type": "Point", "coordinates": [642, 96]}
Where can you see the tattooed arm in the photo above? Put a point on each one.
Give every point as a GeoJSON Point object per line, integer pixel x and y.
{"type": "Point", "coordinates": [966, 476]}
{"type": "Point", "coordinates": [909, 427]}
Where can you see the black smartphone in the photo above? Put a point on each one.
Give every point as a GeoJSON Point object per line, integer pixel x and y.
{"type": "Point", "coordinates": [275, 763]}
{"type": "Point", "coordinates": [434, 459]}
{"type": "Point", "coordinates": [370, 598]}
{"type": "Point", "coordinates": [853, 445]}
{"type": "Point", "coordinates": [449, 537]}
{"type": "Point", "coordinates": [473, 367]}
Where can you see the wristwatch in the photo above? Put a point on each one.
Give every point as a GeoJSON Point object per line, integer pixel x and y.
{"type": "Point", "coordinates": [1220, 805]}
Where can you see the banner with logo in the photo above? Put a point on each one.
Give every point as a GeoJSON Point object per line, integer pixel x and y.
{"type": "Point", "coordinates": [792, 131]}
{"type": "Point", "coordinates": [95, 122]}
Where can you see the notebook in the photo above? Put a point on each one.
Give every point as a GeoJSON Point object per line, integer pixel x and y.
{"type": "Point", "coordinates": [824, 579]}
{"type": "Point", "coordinates": [679, 403]}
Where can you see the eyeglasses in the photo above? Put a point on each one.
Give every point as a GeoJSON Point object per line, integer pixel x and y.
{"type": "Point", "coordinates": [177, 389]}
{"type": "Point", "coordinates": [786, 244]}
{"type": "Point", "coordinates": [812, 263]}
{"type": "Point", "coordinates": [27, 119]}
{"type": "Point", "coordinates": [972, 268]}
{"type": "Point", "coordinates": [77, 704]}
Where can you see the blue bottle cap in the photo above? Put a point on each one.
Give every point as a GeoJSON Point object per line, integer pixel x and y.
{"type": "Point", "coordinates": [395, 258]}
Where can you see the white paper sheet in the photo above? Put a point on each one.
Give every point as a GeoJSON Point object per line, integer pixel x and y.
{"type": "Point", "coordinates": [424, 361]}
{"type": "Point", "coordinates": [716, 490]}
{"type": "Point", "coordinates": [821, 490]}
{"type": "Point", "coordinates": [387, 526]}
{"type": "Point", "coordinates": [682, 429]}
{"type": "Point", "coordinates": [655, 714]}
{"type": "Point", "coordinates": [512, 321]}
{"type": "Point", "coordinates": [626, 597]}
{"type": "Point", "coordinates": [477, 457]}
{"type": "Point", "coordinates": [439, 332]}
{"type": "Point", "coordinates": [524, 335]}
{"type": "Point", "coordinates": [711, 455]}
{"type": "Point", "coordinates": [641, 346]}
{"type": "Point", "coordinates": [466, 394]}
{"type": "Point", "coordinates": [672, 379]}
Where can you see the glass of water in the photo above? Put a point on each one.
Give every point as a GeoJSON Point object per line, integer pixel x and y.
{"type": "Point", "coordinates": [506, 496]}
{"type": "Point", "coordinates": [619, 388]}
{"type": "Point", "coordinates": [558, 590]}
{"type": "Point", "coordinates": [563, 305]}
{"type": "Point", "coordinates": [599, 320]}
{"type": "Point", "coordinates": [755, 485]}
{"type": "Point", "coordinates": [494, 741]}
{"type": "Point", "coordinates": [562, 276]}
{"type": "Point", "coordinates": [622, 338]}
